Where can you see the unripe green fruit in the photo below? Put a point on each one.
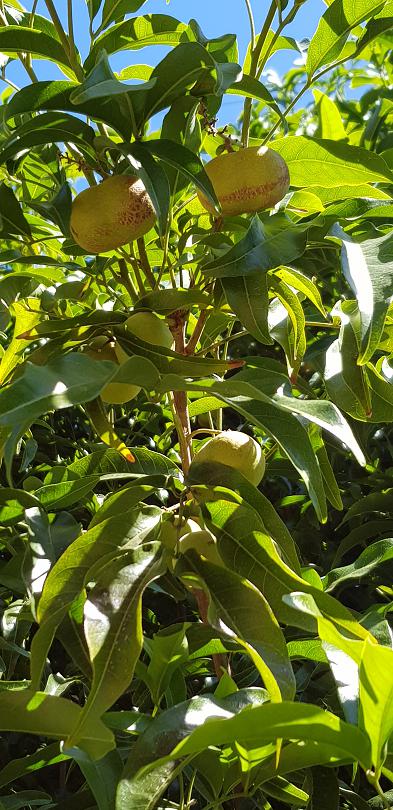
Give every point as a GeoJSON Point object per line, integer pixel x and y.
{"type": "Point", "coordinates": [236, 450]}
{"type": "Point", "coordinates": [203, 542]}
{"type": "Point", "coordinates": [149, 327]}
{"type": "Point", "coordinates": [109, 215]}
{"type": "Point", "coordinates": [247, 181]}
{"type": "Point", "coordinates": [114, 393]}
{"type": "Point", "coordinates": [171, 532]}
{"type": "Point", "coordinates": [146, 326]}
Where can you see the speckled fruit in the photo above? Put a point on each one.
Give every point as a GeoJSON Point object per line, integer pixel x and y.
{"type": "Point", "coordinates": [236, 450]}
{"type": "Point", "coordinates": [247, 181]}
{"type": "Point", "coordinates": [149, 327]}
{"type": "Point", "coordinates": [109, 215]}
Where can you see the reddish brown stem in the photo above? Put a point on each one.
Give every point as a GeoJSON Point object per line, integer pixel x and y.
{"type": "Point", "coordinates": [199, 327]}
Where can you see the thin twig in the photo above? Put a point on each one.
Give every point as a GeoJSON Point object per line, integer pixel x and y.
{"type": "Point", "coordinates": [254, 68]}
{"type": "Point", "coordinates": [199, 327]}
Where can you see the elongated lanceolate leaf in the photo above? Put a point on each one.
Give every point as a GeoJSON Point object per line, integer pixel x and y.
{"type": "Point", "coordinates": [334, 28]}
{"type": "Point", "coordinates": [368, 268]}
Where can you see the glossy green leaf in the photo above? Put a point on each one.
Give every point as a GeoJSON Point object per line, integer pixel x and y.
{"type": "Point", "coordinates": [247, 549]}
{"type": "Point", "coordinates": [373, 556]}
{"type": "Point", "coordinates": [243, 609]}
{"type": "Point", "coordinates": [42, 758]}
{"type": "Point", "coordinates": [262, 248]}
{"type": "Point", "coordinates": [186, 162]}
{"type": "Point", "coordinates": [260, 724]}
{"type": "Point", "coordinates": [334, 28]}
{"type": "Point", "coordinates": [210, 475]}
{"type": "Point", "coordinates": [327, 163]}
{"type": "Point", "coordinates": [12, 220]}
{"type": "Point", "coordinates": [138, 32]}
{"type": "Point", "coordinates": [30, 712]}
{"type": "Point", "coordinates": [15, 39]}
{"type": "Point", "coordinates": [367, 267]}
{"type": "Point", "coordinates": [72, 571]}
{"type": "Point", "coordinates": [375, 698]}
{"type": "Point", "coordinates": [48, 128]}
{"type": "Point", "coordinates": [115, 10]}
{"type": "Point", "coordinates": [142, 790]}
{"type": "Point", "coordinates": [167, 650]}
{"type": "Point", "coordinates": [248, 298]}
{"type": "Point", "coordinates": [113, 629]}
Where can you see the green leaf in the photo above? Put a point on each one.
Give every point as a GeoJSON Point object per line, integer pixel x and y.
{"type": "Point", "coordinates": [248, 298]}
{"type": "Point", "coordinates": [113, 628]}
{"type": "Point", "coordinates": [375, 697]}
{"type": "Point", "coordinates": [346, 382]}
{"type": "Point", "coordinates": [327, 164]}
{"type": "Point", "coordinates": [178, 72]}
{"type": "Point", "coordinates": [167, 301]}
{"type": "Point", "coordinates": [249, 87]}
{"type": "Point", "coordinates": [246, 548]}
{"type": "Point", "coordinates": [102, 82]}
{"type": "Point", "coordinates": [186, 162]}
{"type": "Point", "coordinates": [68, 577]}
{"type": "Point", "coordinates": [110, 464]}
{"type": "Point", "coordinates": [12, 220]}
{"type": "Point", "coordinates": [126, 498]}
{"type": "Point", "coordinates": [368, 268]}
{"type": "Point", "coordinates": [56, 95]}
{"type": "Point", "coordinates": [102, 777]}
{"type": "Point", "coordinates": [334, 28]}
{"type": "Point", "coordinates": [47, 128]}
{"type": "Point", "coordinates": [330, 122]}
{"type": "Point", "coordinates": [262, 248]}
{"type": "Point", "coordinates": [257, 725]}
{"type": "Point", "coordinates": [142, 790]}
{"type": "Point", "coordinates": [42, 758]}
{"type": "Point", "coordinates": [210, 475]}
{"type": "Point", "coordinates": [15, 40]}
{"type": "Point", "coordinates": [152, 29]}
{"type": "Point", "coordinates": [153, 178]}
{"type": "Point", "coordinates": [27, 315]}
{"type": "Point", "coordinates": [57, 209]}
{"type": "Point", "coordinates": [243, 609]}
{"type": "Point", "coordinates": [373, 556]}
{"type": "Point", "coordinates": [167, 650]}
{"type": "Point", "coordinates": [300, 282]}
{"type": "Point", "coordinates": [115, 10]}
{"type": "Point", "coordinates": [29, 712]}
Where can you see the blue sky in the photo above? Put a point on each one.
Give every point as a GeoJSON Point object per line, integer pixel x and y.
{"type": "Point", "coordinates": [215, 17]}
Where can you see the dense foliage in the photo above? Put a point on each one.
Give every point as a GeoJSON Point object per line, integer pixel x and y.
{"type": "Point", "coordinates": [250, 665]}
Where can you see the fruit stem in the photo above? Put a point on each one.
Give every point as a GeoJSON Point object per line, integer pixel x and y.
{"type": "Point", "coordinates": [255, 54]}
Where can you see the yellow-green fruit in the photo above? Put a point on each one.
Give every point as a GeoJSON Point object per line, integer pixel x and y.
{"type": "Point", "coordinates": [203, 542]}
{"type": "Point", "coordinates": [236, 450]}
{"type": "Point", "coordinates": [246, 181]}
{"type": "Point", "coordinates": [114, 393]}
{"type": "Point", "coordinates": [109, 215]}
{"type": "Point", "coordinates": [149, 327]}
{"type": "Point", "coordinates": [171, 532]}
